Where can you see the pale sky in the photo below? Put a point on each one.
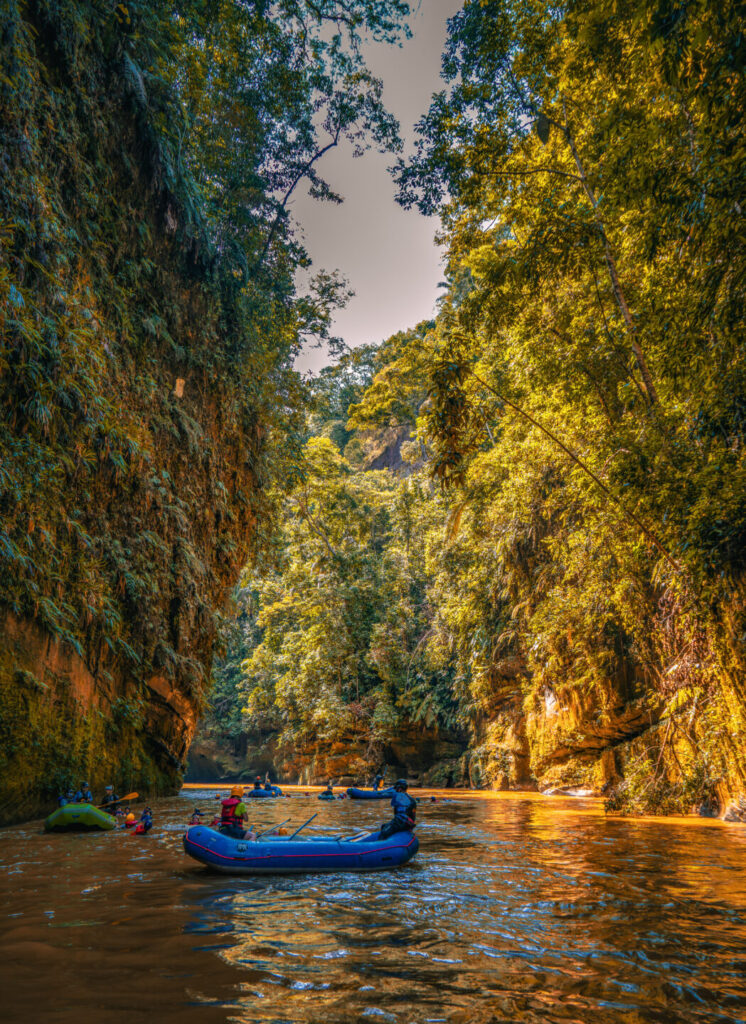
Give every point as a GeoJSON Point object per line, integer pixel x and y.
{"type": "Point", "coordinates": [387, 254]}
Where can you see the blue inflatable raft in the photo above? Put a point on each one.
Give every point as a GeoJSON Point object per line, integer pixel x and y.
{"type": "Point", "coordinates": [254, 793]}
{"type": "Point", "coordinates": [326, 796]}
{"type": "Point", "coordinates": [370, 794]}
{"type": "Point", "coordinates": [279, 856]}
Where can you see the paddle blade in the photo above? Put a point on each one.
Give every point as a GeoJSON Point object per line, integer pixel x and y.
{"type": "Point", "coordinates": [121, 799]}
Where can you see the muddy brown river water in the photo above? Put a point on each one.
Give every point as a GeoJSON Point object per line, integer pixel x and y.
{"type": "Point", "coordinates": [517, 908]}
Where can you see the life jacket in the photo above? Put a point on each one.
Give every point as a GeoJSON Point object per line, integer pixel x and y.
{"type": "Point", "coordinates": [408, 814]}
{"type": "Point", "coordinates": [228, 814]}
{"type": "Point", "coordinates": [139, 829]}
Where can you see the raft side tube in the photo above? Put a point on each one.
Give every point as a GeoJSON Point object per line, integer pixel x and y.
{"type": "Point", "coordinates": [79, 817]}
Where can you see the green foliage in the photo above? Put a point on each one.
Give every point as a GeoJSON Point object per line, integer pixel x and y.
{"type": "Point", "coordinates": [580, 398]}
{"type": "Point", "coordinates": [149, 315]}
{"type": "Point", "coordinates": [587, 389]}
{"type": "Point", "coordinates": [343, 618]}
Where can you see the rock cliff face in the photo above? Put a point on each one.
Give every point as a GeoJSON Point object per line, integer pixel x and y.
{"type": "Point", "coordinates": [622, 740]}
{"type": "Point", "coordinates": [63, 723]}
{"type": "Point", "coordinates": [130, 419]}
{"type": "Point", "coordinates": [422, 755]}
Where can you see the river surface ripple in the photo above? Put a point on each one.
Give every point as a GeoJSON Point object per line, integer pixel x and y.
{"type": "Point", "coordinates": [515, 909]}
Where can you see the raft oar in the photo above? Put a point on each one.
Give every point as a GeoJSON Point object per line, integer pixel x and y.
{"type": "Point", "coordinates": [272, 827]}
{"type": "Point", "coordinates": [120, 800]}
{"type": "Point", "coordinates": [303, 826]}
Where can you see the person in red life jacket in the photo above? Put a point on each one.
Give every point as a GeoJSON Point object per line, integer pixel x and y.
{"type": "Point", "coordinates": [233, 814]}
{"type": "Point", "coordinates": [405, 811]}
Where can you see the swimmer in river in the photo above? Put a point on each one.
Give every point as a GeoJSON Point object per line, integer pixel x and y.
{"type": "Point", "coordinates": [196, 818]}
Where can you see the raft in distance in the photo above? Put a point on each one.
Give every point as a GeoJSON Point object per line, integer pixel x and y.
{"type": "Point", "coordinates": [370, 794]}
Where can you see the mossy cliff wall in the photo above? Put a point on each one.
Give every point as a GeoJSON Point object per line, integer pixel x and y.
{"type": "Point", "coordinates": [130, 414]}
{"type": "Point", "coordinates": [61, 724]}
{"type": "Point", "coordinates": [625, 738]}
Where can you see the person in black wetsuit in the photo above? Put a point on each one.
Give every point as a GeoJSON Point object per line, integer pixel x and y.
{"type": "Point", "coordinates": [405, 811]}
{"type": "Point", "coordinates": [110, 801]}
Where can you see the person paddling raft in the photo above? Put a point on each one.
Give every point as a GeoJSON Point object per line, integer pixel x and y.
{"type": "Point", "coordinates": [110, 803]}
{"type": "Point", "coordinates": [65, 799]}
{"type": "Point", "coordinates": [377, 782]}
{"type": "Point", "coordinates": [233, 813]}
{"type": "Point", "coordinates": [84, 795]}
{"type": "Point", "coordinates": [405, 811]}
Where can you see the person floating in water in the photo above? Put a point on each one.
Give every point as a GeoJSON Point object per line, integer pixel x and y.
{"type": "Point", "coordinates": [196, 818]}
{"type": "Point", "coordinates": [84, 795]}
{"type": "Point", "coordinates": [405, 811]}
{"type": "Point", "coordinates": [145, 823]}
{"type": "Point", "coordinates": [377, 782]}
{"type": "Point", "coordinates": [234, 813]}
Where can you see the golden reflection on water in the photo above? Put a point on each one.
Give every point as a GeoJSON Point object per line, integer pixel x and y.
{"type": "Point", "coordinates": [517, 908]}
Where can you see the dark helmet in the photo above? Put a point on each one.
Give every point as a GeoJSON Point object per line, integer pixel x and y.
{"type": "Point", "coordinates": [400, 784]}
